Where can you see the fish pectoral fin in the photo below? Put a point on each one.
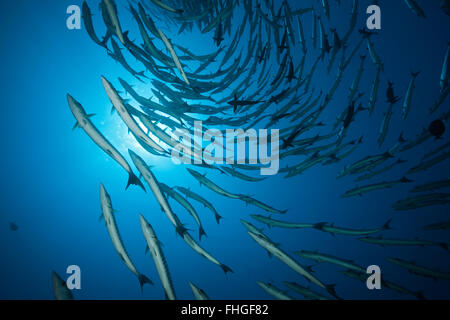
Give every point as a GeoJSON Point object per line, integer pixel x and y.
{"type": "Point", "coordinates": [91, 115]}
{"type": "Point", "coordinates": [270, 255]}
{"type": "Point", "coordinates": [146, 249]}
{"type": "Point", "coordinates": [101, 218]}
{"type": "Point", "coordinates": [76, 125]}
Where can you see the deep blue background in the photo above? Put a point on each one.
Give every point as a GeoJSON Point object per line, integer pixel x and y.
{"type": "Point", "coordinates": [51, 175]}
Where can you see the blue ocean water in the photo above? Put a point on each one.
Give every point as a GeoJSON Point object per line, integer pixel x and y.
{"type": "Point", "coordinates": [51, 174]}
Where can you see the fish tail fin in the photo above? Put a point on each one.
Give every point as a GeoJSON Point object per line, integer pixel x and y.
{"type": "Point", "coordinates": [143, 280]}
{"type": "Point", "coordinates": [415, 74]}
{"type": "Point", "coordinates": [226, 269]}
{"type": "Point", "coordinates": [419, 295]}
{"type": "Point", "coordinates": [134, 180]}
{"type": "Point", "coordinates": [201, 232]}
{"type": "Point", "coordinates": [443, 245]}
{"type": "Point", "coordinates": [405, 180]}
{"type": "Point", "coordinates": [331, 290]}
{"type": "Point", "coordinates": [387, 225]}
{"type": "Point", "coordinates": [142, 74]}
{"type": "Point", "coordinates": [218, 218]}
{"type": "Point", "coordinates": [181, 230]}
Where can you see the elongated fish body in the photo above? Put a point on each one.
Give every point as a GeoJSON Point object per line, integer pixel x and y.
{"type": "Point", "coordinates": [314, 30]}
{"type": "Point", "coordinates": [355, 84]}
{"type": "Point", "coordinates": [241, 176]}
{"type": "Point", "coordinates": [128, 118]}
{"type": "Point", "coordinates": [87, 19]}
{"type": "Point", "coordinates": [85, 123]}
{"type": "Point", "coordinates": [190, 194]}
{"type": "Point", "coordinates": [373, 54]}
{"type": "Point", "coordinates": [164, 6]}
{"type": "Point", "coordinates": [148, 176]}
{"type": "Point", "coordinates": [372, 174]}
{"type": "Point", "coordinates": [330, 228]}
{"type": "Point", "coordinates": [306, 292]}
{"type": "Point", "coordinates": [111, 9]}
{"type": "Point", "coordinates": [419, 270]}
{"type": "Point", "coordinates": [147, 20]}
{"type": "Point", "coordinates": [437, 150]}
{"type": "Point", "coordinates": [249, 200]}
{"type": "Point", "coordinates": [407, 102]}
{"type": "Point", "coordinates": [415, 8]}
{"type": "Point", "coordinates": [181, 230]}
{"type": "Point", "coordinates": [113, 230]}
{"type": "Point", "coordinates": [185, 204]}
{"type": "Point", "coordinates": [225, 13]}
{"type": "Point", "coordinates": [197, 248]}
{"type": "Point", "coordinates": [362, 276]}
{"type": "Point", "coordinates": [251, 228]}
{"type": "Point", "coordinates": [374, 92]}
{"type": "Point", "coordinates": [174, 56]}
{"type": "Point", "coordinates": [424, 165]}
{"type": "Point", "coordinates": [431, 186]}
{"type": "Point", "coordinates": [421, 201]}
{"type": "Point", "coordinates": [443, 225]}
{"type": "Point", "coordinates": [199, 294]}
{"type": "Point", "coordinates": [154, 246]}
{"type": "Point", "coordinates": [385, 124]}
{"type": "Point", "coordinates": [274, 291]}
{"type": "Point", "coordinates": [60, 290]}
{"type": "Point", "coordinates": [402, 242]}
{"type": "Point", "coordinates": [326, 258]}
{"type": "Point", "coordinates": [359, 191]}
{"type": "Point", "coordinates": [281, 224]}
{"type": "Point", "coordinates": [211, 185]}
{"type": "Point", "coordinates": [445, 74]}
{"type": "Point", "coordinates": [273, 249]}
{"type": "Point", "coordinates": [326, 8]}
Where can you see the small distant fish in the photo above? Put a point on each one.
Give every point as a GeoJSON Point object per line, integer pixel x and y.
{"type": "Point", "coordinates": [420, 270]}
{"type": "Point", "coordinates": [13, 226]}
{"type": "Point", "coordinates": [437, 128]}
